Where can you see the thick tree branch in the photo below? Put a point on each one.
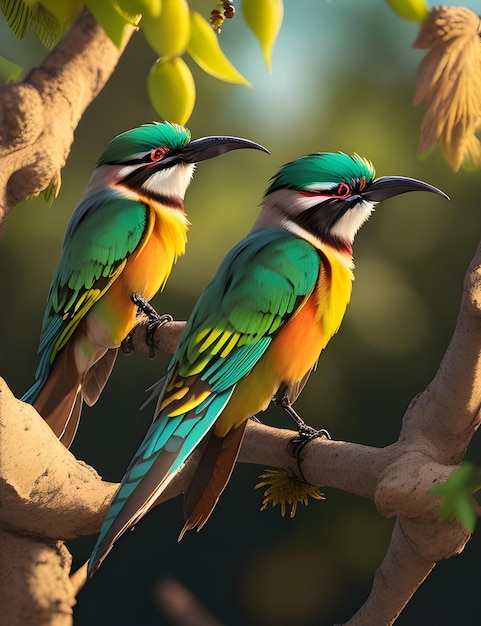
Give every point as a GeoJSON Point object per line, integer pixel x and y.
{"type": "Point", "coordinates": [45, 495]}
{"type": "Point", "coordinates": [383, 606]}
{"type": "Point", "coordinates": [34, 582]}
{"type": "Point", "coordinates": [38, 116]}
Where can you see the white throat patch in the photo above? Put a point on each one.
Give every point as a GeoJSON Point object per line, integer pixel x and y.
{"type": "Point", "coordinates": [348, 225]}
{"type": "Point", "coordinates": [172, 182]}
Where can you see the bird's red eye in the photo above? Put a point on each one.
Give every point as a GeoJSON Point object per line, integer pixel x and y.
{"type": "Point", "coordinates": [343, 190]}
{"type": "Point", "coordinates": [157, 154]}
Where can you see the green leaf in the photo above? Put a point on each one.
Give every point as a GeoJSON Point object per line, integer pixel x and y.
{"type": "Point", "coordinates": [47, 27]}
{"type": "Point", "coordinates": [113, 20]}
{"type": "Point", "coordinates": [18, 16]}
{"type": "Point", "coordinates": [9, 71]}
{"type": "Point", "coordinates": [456, 493]}
{"type": "Point", "coordinates": [205, 50]}
{"type": "Point", "coordinates": [52, 190]}
{"type": "Point", "coordinates": [49, 18]}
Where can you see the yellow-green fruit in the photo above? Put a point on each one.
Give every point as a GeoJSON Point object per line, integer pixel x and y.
{"type": "Point", "coordinates": [264, 18]}
{"type": "Point", "coordinates": [169, 33]}
{"type": "Point", "coordinates": [204, 48]}
{"type": "Point", "coordinates": [415, 10]}
{"type": "Point", "coordinates": [171, 89]}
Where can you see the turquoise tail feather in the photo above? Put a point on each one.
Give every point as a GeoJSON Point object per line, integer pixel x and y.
{"type": "Point", "coordinates": [167, 445]}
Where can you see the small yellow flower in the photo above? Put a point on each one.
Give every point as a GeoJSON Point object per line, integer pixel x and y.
{"type": "Point", "coordinates": [286, 490]}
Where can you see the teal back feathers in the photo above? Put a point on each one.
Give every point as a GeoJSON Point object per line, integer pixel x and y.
{"type": "Point", "coordinates": [255, 298]}
{"type": "Point", "coordinates": [322, 170]}
{"type": "Point", "coordinates": [140, 141]}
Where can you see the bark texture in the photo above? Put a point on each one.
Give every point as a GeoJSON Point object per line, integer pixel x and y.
{"type": "Point", "coordinates": [38, 116]}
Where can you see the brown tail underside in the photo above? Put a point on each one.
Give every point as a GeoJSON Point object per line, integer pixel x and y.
{"type": "Point", "coordinates": [61, 398]}
{"type": "Point", "coordinates": [211, 477]}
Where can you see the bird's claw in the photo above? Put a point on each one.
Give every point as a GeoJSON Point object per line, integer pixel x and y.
{"type": "Point", "coordinates": [151, 330]}
{"type": "Point", "coordinates": [154, 320]}
{"type": "Point", "coordinates": [144, 306]}
{"type": "Point", "coordinates": [127, 345]}
{"type": "Point", "coordinates": [296, 446]}
{"type": "Point", "coordinates": [306, 433]}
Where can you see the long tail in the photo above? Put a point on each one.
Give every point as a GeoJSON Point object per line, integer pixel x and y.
{"type": "Point", "coordinates": [211, 477]}
{"type": "Point", "coordinates": [166, 446]}
{"type": "Point", "coordinates": [59, 395]}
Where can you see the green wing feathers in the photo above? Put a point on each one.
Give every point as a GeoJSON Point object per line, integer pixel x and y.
{"type": "Point", "coordinates": [259, 285]}
{"type": "Point", "coordinates": [104, 230]}
{"type": "Point", "coordinates": [94, 255]}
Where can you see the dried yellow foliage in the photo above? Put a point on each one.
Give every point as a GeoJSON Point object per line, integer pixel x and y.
{"type": "Point", "coordinates": [449, 84]}
{"type": "Point", "coordinates": [286, 490]}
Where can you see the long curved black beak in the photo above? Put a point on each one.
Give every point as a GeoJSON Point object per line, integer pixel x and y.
{"type": "Point", "coordinates": [390, 186]}
{"type": "Point", "coordinates": [210, 147]}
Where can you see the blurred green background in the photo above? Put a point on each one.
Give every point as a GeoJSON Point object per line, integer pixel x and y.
{"type": "Point", "coordinates": [344, 75]}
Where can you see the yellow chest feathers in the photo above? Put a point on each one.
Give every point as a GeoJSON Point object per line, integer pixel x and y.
{"type": "Point", "coordinates": [333, 290]}
{"type": "Point", "coordinates": [164, 241]}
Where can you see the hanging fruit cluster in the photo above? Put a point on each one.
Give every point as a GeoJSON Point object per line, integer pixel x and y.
{"type": "Point", "coordinates": [173, 29]}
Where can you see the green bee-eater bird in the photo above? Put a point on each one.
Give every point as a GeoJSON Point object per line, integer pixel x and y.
{"type": "Point", "coordinates": [124, 236]}
{"type": "Point", "coordinates": [259, 327]}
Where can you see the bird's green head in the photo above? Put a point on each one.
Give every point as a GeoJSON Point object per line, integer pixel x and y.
{"type": "Point", "coordinates": [324, 171]}
{"type": "Point", "coordinates": [329, 195]}
{"type": "Point", "coordinates": [158, 159]}
{"type": "Point", "coordinates": [140, 142]}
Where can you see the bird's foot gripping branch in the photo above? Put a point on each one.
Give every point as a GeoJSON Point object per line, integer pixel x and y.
{"type": "Point", "coordinates": [154, 321]}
